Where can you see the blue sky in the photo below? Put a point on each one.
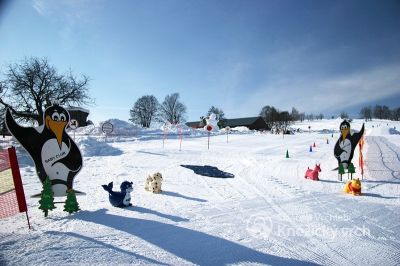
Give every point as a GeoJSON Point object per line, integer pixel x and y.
{"type": "Point", "coordinates": [318, 56]}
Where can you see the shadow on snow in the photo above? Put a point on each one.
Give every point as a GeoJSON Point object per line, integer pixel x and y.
{"type": "Point", "coordinates": [190, 245]}
{"type": "Point", "coordinates": [107, 246]}
{"type": "Point", "coordinates": [208, 170]}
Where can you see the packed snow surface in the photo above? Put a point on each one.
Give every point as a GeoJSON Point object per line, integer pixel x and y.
{"type": "Point", "coordinates": [240, 202]}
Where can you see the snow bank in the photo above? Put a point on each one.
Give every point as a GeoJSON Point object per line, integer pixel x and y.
{"type": "Point", "coordinates": [90, 147]}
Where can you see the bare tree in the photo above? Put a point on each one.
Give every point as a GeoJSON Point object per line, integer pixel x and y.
{"type": "Point", "coordinates": [172, 110]}
{"type": "Point", "coordinates": [396, 114]}
{"type": "Point", "coordinates": [34, 85]}
{"type": "Point", "coordinates": [366, 113]}
{"type": "Point", "coordinates": [270, 115]}
{"type": "Point", "coordinates": [344, 115]}
{"type": "Point", "coordinates": [220, 114]}
{"type": "Point", "coordinates": [310, 117]}
{"type": "Point", "coordinates": [295, 114]}
{"type": "Point", "coordinates": [378, 112]}
{"type": "Point", "coordinates": [386, 112]}
{"type": "Point", "coordinates": [302, 116]}
{"type": "Point", "coordinates": [144, 110]}
{"type": "Point", "coordinates": [284, 121]}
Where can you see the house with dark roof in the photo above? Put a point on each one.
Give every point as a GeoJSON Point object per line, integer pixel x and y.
{"type": "Point", "coordinates": [256, 123]}
{"type": "Point", "coordinates": [197, 124]}
{"type": "Point", "coordinates": [79, 114]}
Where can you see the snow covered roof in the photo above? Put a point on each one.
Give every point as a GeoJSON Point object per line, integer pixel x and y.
{"type": "Point", "coordinates": [74, 108]}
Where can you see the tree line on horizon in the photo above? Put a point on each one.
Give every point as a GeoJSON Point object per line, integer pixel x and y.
{"type": "Point", "coordinates": [32, 85]}
{"type": "Point", "coordinates": [380, 112]}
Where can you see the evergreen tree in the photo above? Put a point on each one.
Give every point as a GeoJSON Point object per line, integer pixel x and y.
{"type": "Point", "coordinates": [46, 201]}
{"type": "Point", "coordinates": [341, 171]}
{"type": "Point", "coordinates": [351, 170]}
{"type": "Point", "coordinates": [71, 204]}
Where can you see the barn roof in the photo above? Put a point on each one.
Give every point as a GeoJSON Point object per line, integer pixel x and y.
{"type": "Point", "coordinates": [245, 121]}
{"type": "Point", "coordinates": [74, 108]}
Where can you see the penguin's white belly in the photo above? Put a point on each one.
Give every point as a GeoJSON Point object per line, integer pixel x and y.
{"type": "Point", "coordinates": [51, 153]}
{"type": "Point", "coordinates": [346, 147]}
{"type": "Point", "coordinates": [127, 199]}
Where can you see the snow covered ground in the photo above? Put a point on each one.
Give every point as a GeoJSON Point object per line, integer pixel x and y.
{"type": "Point", "coordinates": [266, 214]}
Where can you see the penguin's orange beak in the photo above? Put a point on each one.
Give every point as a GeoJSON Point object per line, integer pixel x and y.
{"type": "Point", "coordinates": [345, 132]}
{"type": "Point", "coordinates": [57, 127]}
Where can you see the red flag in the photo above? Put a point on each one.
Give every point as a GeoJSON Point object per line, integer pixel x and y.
{"type": "Point", "coordinates": [12, 197]}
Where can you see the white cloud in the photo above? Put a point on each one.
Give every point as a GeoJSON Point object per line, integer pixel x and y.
{"type": "Point", "coordinates": [40, 7]}
{"type": "Point", "coordinates": [319, 95]}
{"type": "Point", "coordinates": [69, 15]}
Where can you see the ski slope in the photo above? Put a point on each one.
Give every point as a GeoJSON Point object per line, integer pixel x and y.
{"type": "Point", "coordinates": [266, 214]}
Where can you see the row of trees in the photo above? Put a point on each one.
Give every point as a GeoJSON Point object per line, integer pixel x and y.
{"type": "Point", "coordinates": [147, 109]}
{"type": "Point", "coordinates": [276, 119]}
{"type": "Point", "coordinates": [380, 112]}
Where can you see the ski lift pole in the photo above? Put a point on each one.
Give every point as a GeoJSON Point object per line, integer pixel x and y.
{"type": "Point", "coordinates": [227, 129]}
{"type": "Point", "coordinates": [164, 134]}
{"type": "Point", "coordinates": [208, 145]}
{"type": "Point", "coordinates": [180, 136]}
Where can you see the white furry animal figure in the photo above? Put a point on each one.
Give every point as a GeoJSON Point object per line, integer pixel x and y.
{"type": "Point", "coordinates": [153, 183]}
{"type": "Point", "coordinates": [147, 185]}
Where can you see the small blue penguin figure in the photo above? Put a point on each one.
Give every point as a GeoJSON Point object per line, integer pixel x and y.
{"type": "Point", "coordinates": [120, 199]}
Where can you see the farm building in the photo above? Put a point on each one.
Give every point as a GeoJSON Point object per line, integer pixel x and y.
{"type": "Point", "coordinates": [80, 114]}
{"type": "Point", "coordinates": [256, 123]}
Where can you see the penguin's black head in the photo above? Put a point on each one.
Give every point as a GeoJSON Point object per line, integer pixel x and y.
{"type": "Point", "coordinates": [56, 119]}
{"type": "Point", "coordinates": [344, 128]}
{"type": "Point", "coordinates": [126, 186]}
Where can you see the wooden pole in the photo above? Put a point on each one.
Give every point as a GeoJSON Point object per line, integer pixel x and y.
{"type": "Point", "coordinates": [27, 218]}
{"type": "Point", "coordinates": [208, 147]}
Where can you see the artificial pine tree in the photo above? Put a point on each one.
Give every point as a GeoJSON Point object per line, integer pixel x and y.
{"type": "Point", "coordinates": [287, 153]}
{"type": "Point", "coordinates": [71, 204]}
{"type": "Point", "coordinates": [351, 170]}
{"type": "Point", "coordinates": [46, 198]}
{"type": "Point", "coordinates": [341, 171]}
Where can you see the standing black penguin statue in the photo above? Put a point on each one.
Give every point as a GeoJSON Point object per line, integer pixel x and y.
{"type": "Point", "coordinates": [54, 153]}
{"type": "Point", "coordinates": [347, 142]}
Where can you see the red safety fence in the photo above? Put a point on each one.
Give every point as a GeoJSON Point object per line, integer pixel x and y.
{"type": "Point", "coordinates": [12, 196]}
{"type": "Point", "coordinates": [361, 158]}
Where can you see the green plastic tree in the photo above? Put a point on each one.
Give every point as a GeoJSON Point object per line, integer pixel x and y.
{"type": "Point", "coordinates": [341, 171]}
{"type": "Point", "coordinates": [71, 204]}
{"type": "Point", "coordinates": [46, 201]}
{"type": "Point", "coordinates": [351, 170]}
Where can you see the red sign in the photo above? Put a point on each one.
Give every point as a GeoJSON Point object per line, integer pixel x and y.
{"type": "Point", "coordinates": [209, 127]}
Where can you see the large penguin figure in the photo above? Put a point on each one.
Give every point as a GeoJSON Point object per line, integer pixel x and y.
{"type": "Point", "coordinates": [54, 153]}
{"type": "Point", "coordinates": [347, 142]}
